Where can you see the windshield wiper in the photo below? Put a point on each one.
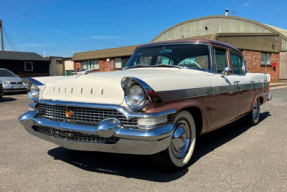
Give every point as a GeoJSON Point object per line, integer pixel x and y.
{"type": "Point", "coordinates": [140, 65]}
{"type": "Point", "coordinates": [136, 66]}
{"type": "Point", "coordinates": [166, 65]}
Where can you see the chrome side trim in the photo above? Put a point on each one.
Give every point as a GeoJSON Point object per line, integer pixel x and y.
{"type": "Point", "coordinates": [226, 89]}
{"type": "Point", "coordinates": [244, 87]}
{"type": "Point", "coordinates": [186, 93]}
{"type": "Point", "coordinates": [209, 91]}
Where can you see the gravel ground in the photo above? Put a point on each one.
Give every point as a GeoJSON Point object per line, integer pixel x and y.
{"type": "Point", "coordinates": [234, 158]}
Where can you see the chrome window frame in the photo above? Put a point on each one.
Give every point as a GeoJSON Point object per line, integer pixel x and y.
{"type": "Point", "coordinates": [227, 57]}
{"type": "Point", "coordinates": [242, 60]}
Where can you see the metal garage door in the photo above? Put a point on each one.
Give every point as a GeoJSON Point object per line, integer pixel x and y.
{"type": "Point", "coordinates": [283, 65]}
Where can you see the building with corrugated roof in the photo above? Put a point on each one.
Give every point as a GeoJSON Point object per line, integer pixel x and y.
{"type": "Point", "coordinates": [263, 46]}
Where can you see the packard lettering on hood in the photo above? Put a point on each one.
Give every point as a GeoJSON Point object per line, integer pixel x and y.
{"type": "Point", "coordinates": [167, 94]}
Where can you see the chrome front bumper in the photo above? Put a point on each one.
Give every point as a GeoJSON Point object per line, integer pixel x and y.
{"type": "Point", "coordinates": [131, 141]}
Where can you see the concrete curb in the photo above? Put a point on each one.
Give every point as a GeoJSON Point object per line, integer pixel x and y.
{"type": "Point", "coordinates": [277, 84]}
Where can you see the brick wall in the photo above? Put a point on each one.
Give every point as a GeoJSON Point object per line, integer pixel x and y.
{"type": "Point", "coordinates": [77, 64]}
{"type": "Point", "coordinates": [103, 66]}
{"type": "Point", "coordinates": [253, 60]}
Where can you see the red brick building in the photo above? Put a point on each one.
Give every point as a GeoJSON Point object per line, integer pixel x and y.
{"type": "Point", "coordinates": [263, 46]}
{"type": "Point", "coordinates": [103, 60]}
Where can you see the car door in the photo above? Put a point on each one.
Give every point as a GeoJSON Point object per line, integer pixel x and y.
{"type": "Point", "coordinates": [246, 94]}
{"type": "Point", "coordinates": [226, 92]}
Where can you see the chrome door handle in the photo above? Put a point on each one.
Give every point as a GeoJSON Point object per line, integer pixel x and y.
{"type": "Point", "coordinates": [236, 82]}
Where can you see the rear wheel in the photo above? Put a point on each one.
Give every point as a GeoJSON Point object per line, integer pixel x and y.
{"type": "Point", "coordinates": [253, 116]}
{"type": "Point", "coordinates": [182, 144]}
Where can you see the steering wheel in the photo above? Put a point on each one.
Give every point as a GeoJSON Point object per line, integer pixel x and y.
{"type": "Point", "coordinates": [192, 63]}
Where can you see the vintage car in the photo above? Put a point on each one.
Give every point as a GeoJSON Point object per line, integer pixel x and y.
{"type": "Point", "coordinates": [167, 94]}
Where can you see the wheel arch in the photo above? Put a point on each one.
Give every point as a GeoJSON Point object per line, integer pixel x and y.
{"type": "Point", "coordinates": [261, 100]}
{"type": "Point", "coordinates": [198, 116]}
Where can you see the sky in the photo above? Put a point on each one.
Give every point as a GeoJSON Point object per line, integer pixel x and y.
{"type": "Point", "coordinates": [64, 27]}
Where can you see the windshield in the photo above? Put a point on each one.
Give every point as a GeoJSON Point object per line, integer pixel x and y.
{"type": "Point", "coordinates": [186, 55]}
{"type": "Point", "coordinates": [6, 73]}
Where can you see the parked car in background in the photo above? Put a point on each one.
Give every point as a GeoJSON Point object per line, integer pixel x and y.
{"type": "Point", "coordinates": [1, 90]}
{"type": "Point", "coordinates": [10, 81]}
{"type": "Point", "coordinates": [167, 94]}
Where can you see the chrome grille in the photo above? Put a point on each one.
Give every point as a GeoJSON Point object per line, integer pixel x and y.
{"type": "Point", "coordinates": [170, 118]}
{"type": "Point", "coordinates": [83, 115]}
{"type": "Point", "coordinates": [74, 136]}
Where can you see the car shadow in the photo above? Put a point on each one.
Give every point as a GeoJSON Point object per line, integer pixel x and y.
{"type": "Point", "coordinates": [15, 93]}
{"type": "Point", "coordinates": [7, 99]}
{"type": "Point", "coordinates": [142, 167]}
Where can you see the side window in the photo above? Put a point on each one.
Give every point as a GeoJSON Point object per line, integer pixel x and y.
{"type": "Point", "coordinates": [236, 61]}
{"type": "Point", "coordinates": [220, 61]}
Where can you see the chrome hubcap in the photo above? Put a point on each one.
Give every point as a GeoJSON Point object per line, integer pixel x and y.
{"type": "Point", "coordinates": [255, 110]}
{"type": "Point", "coordinates": [181, 139]}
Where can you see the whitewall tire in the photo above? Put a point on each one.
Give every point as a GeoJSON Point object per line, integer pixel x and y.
{"type": "Point", "coordinates": [253, 115]}
{"type": "Point", "coordinates": [182, 144]}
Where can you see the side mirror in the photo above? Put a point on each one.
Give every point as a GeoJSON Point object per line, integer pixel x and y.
{"type": "Point", "coordinates": [227, 71]}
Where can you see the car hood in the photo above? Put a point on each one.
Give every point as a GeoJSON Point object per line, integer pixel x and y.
{"type": "Point", "coordinates": [11, 79]}
{"type": "Point", "coordinates": [105, 88]}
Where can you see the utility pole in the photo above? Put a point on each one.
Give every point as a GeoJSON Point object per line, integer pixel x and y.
{"type": "Point", "coordinates": [1, 31]}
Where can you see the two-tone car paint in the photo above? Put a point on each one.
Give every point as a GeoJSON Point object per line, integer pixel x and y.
{"type": "Point", "coordinates": [213, 99]}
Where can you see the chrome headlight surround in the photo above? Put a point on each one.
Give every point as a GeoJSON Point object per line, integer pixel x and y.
{"type": "Point", "coordinates": [33, 92]}
{"type": "Point", "coordinates": [32, 88]}
{"type": "Point", "coordinates": [149, 93]}
{"type": "Point", "coordinates": [136, 97]}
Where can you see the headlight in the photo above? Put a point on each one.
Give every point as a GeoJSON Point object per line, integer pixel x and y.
{"type": "Point", "coordinates": [33, 92]}
{"type": "Point", "coordinates": [5, 83]}
{"type": "Point", "coordinates": [135, 97]}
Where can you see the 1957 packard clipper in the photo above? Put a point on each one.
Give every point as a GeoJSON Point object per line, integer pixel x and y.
{"type": "Point", "coordinates": [167, 94]}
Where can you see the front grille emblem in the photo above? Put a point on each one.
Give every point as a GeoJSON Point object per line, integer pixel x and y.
{"type": "Point", "coordinates": [69, 113]}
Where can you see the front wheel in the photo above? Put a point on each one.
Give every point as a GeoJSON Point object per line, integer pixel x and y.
{"type": "Point", "coordinates": [253, 115]}
{"type": "Point", "coordinates": [182, 144]}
